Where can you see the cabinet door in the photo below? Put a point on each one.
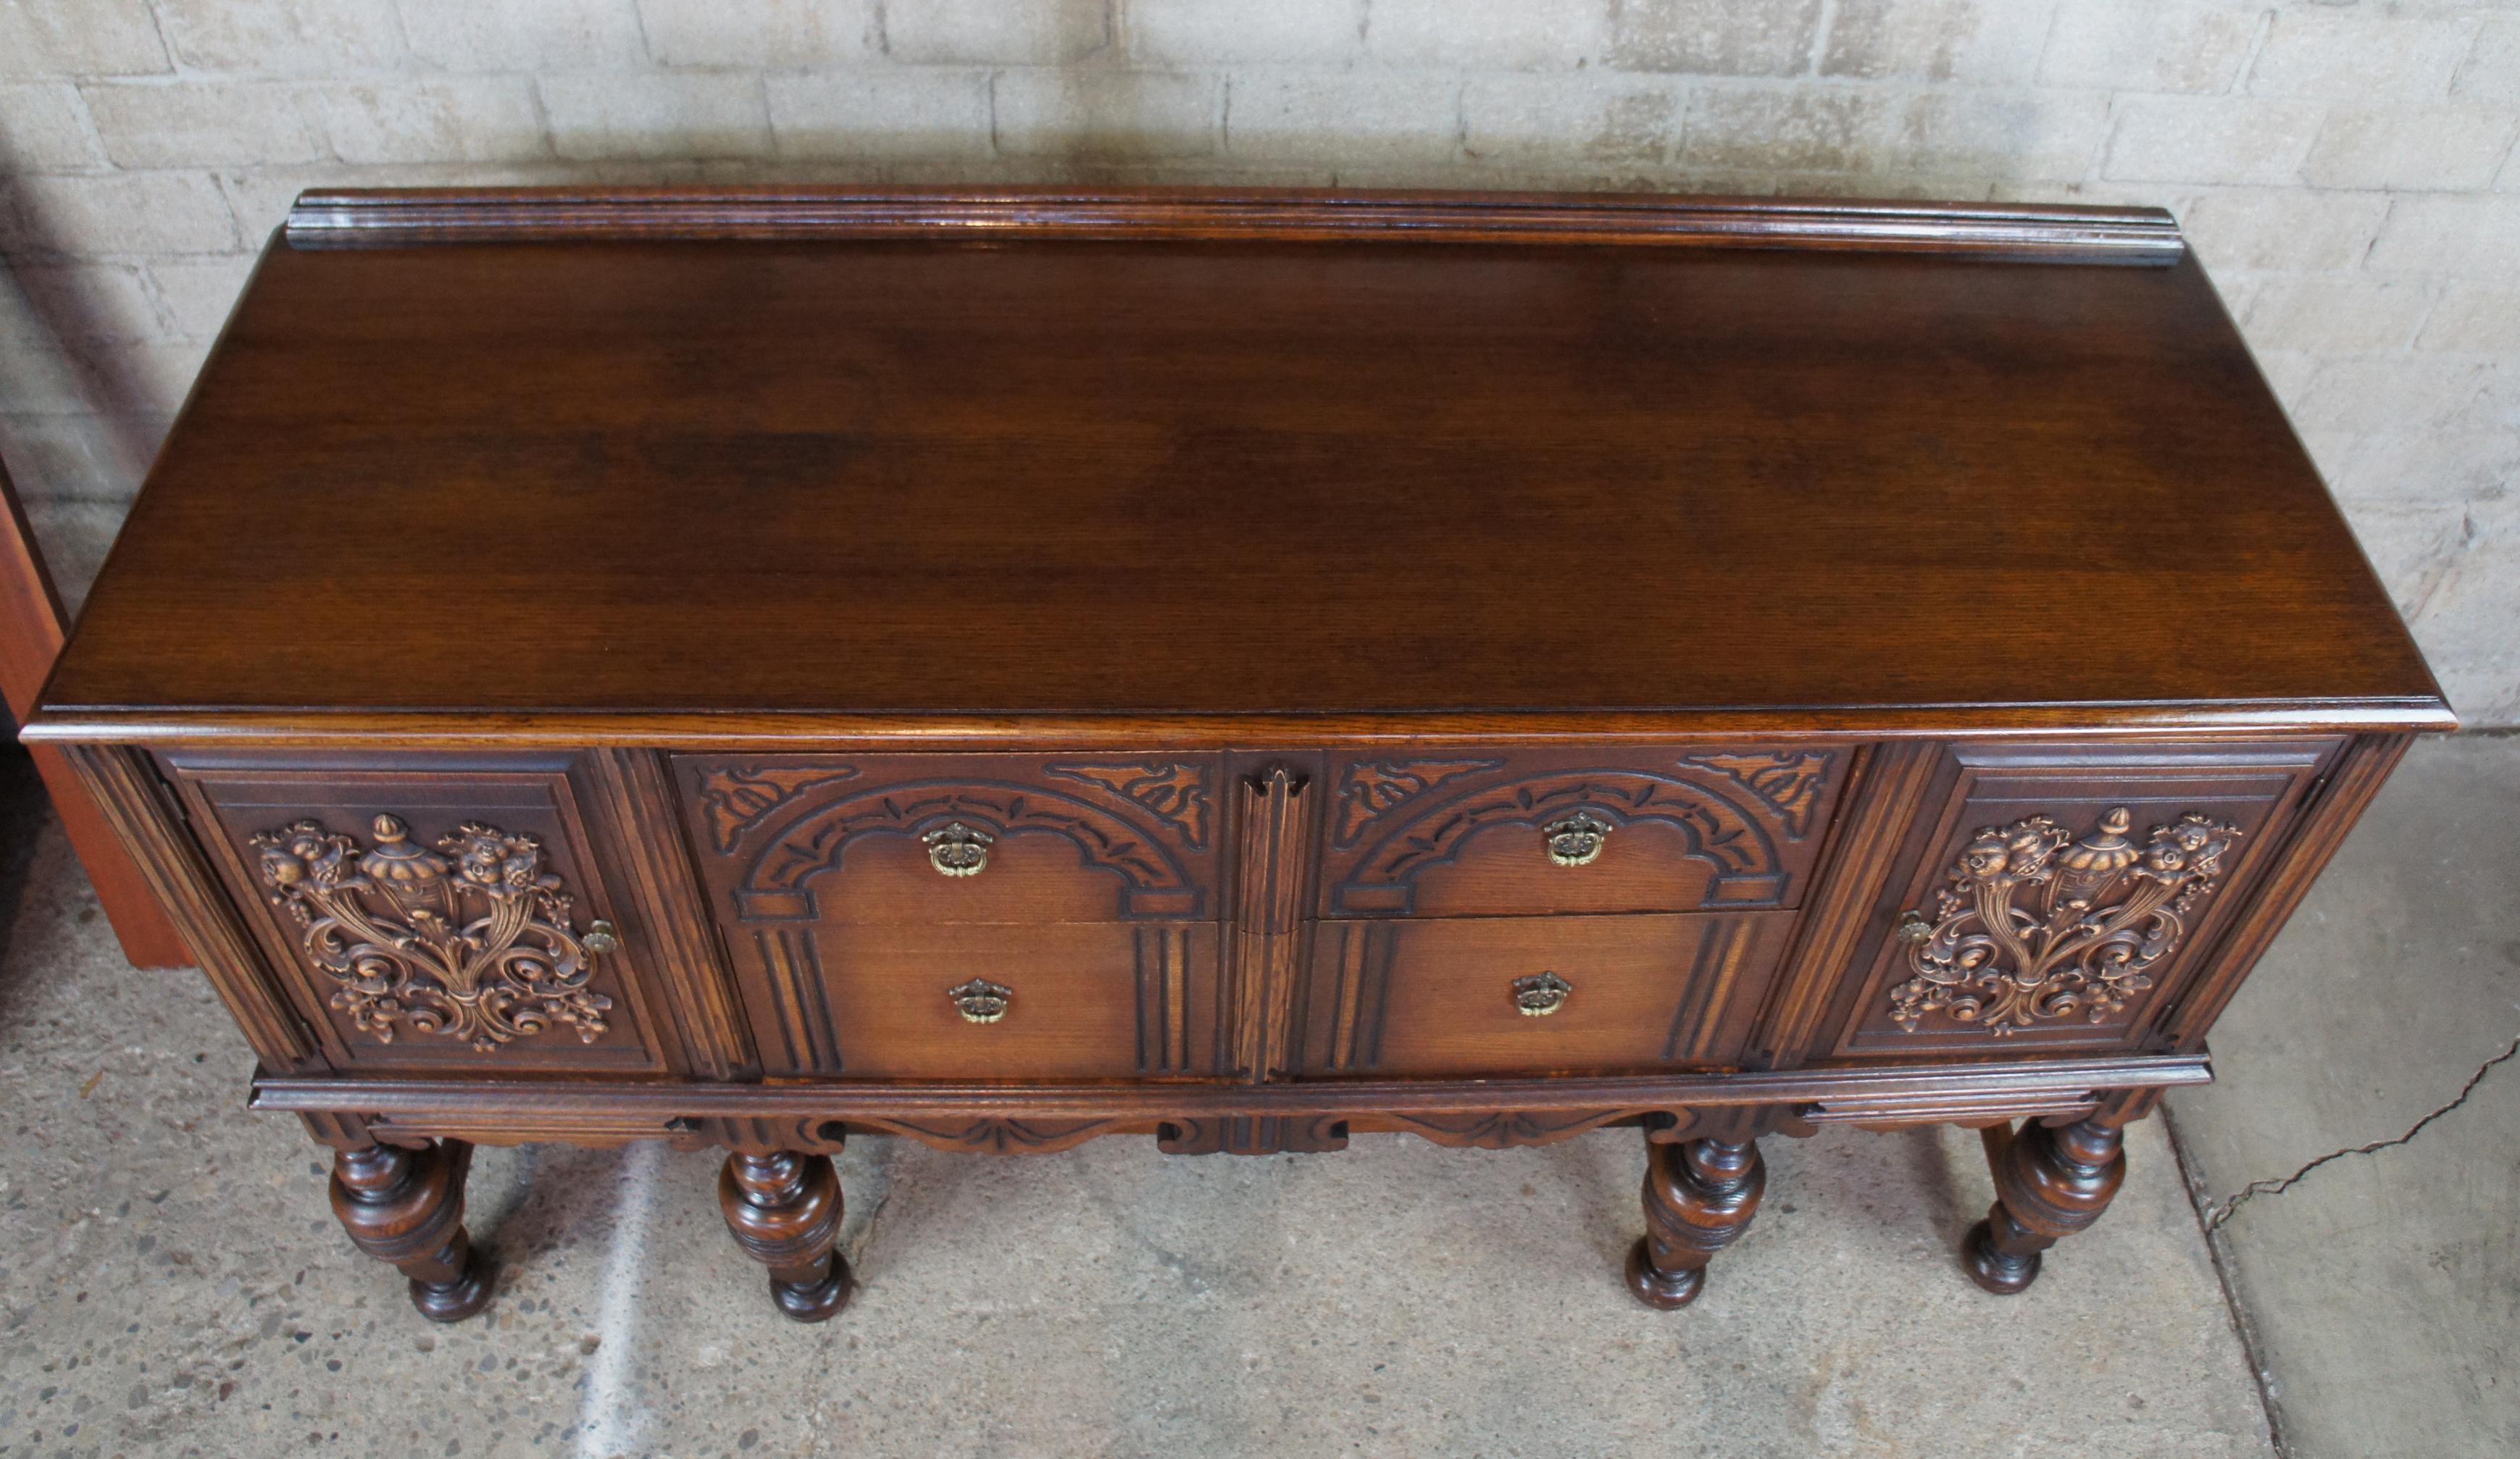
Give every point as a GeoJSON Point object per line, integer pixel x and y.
{"type": "Point", "coordinates": [2062, 897]}
{"type": "Point", "coordinates": [431, 912]}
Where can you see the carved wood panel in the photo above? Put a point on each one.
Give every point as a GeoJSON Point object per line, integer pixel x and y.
{"type": "Point", "coordinates": [440, 912]}
{"type": "Point", "coordinates": [2059, 894]}
{"type": "Point", "coordinates": [955, 838]}
{"type": "Point", "coordinates": [1536, 994]}
{"type": "Point", "coordinates": [1470, 833]}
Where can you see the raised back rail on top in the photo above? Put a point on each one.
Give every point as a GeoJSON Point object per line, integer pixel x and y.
{"type": "Point", "coordinates": [2020, 232]}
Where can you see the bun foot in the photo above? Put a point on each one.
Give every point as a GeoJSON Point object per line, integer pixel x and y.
{"type": "Point", "coordinates": [783, 1208]}
{"type": "Point", "coordinates": [2049, 1182]}
{"type": "Point", "coordinates": [1991, 1268]}
{"type": "Point", "coordinates": [455, 1301]}
{"type": "Point", "coordinates": [406, 1207]}
{"type": "Point", "coordinates": [816, 1301]}
{"type": "Point", "coordinates": [1700, 1198]}
{"type": "Point", "coordinates": [1667, 1290]}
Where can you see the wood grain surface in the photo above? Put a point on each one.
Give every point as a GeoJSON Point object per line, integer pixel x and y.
{"type": "Point", "coordinates": [1036, 475]}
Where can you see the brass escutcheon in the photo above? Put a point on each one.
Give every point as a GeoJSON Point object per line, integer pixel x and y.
{"type": "Point", "coordinates": [1575, 840]}
{"type": "Point", "coordinates": [1540, 995]}
{"type": "Point", "coordinates": [958, 849]}
{"type": "Point", "coordinates": [981, 1000]}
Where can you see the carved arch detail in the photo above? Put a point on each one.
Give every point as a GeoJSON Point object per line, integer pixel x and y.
{"type": "Point", "coordinates": [1172, 792]}
{"type": "Point", "coordinates": [736, 799]}
{"type": "Point", "coordinates": [1372, 788]}
{"type": "Point", "coordinates": [1721, 833]}
{"type": "Point", "coordinates": [775, 885]}
{"type": "Point", "coordinates": [1788, 782]}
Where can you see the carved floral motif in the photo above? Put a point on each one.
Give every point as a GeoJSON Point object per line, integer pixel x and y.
{"type": "Point", "coordinates": [738, 797]}
{"type": "Point", "coordinates": [2100, 913]}
{"type": "Point", "coordinates": [1789, 782]}
{"type": "Point", "coordinates": [474, 944]}
{"type": "Point", "coordinates": [1176, 793]}
{"type": "Point", "coordinates": [1369, 789]}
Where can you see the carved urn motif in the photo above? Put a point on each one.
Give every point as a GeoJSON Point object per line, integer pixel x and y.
{"type": "Point", "coordinates": [2038, 925]}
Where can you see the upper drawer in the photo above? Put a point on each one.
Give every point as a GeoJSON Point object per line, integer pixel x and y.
{"type": "Point", "coordinates": [1514, 832]}
{"type": "Point", "coordinates": [869, 839]}
{"type": "Point", "coordinates": [431, 912]}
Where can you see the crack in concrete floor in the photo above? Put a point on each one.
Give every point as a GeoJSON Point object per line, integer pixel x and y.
{"type": "Point", "coordinates": [2217, 1212]}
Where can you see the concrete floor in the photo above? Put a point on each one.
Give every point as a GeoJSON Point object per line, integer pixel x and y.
{"type": "Point", "coordinates": [173, 1283]}
{"type": "Point", "coordinates": [2382, 1292]}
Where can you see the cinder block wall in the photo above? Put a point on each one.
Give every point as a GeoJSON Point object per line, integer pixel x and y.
{"type": "Point", "coordinates": [2346, 169]}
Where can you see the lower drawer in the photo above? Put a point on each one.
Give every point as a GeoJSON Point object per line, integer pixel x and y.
{"type": "Point", "coordinates": [982, 1002]}
{"type": "Point", "coordinates": [1536, 994]}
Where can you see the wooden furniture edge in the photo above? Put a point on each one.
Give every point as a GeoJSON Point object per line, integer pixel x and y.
{"type": "Point", "coordinates": [32, 628]}
{"type": "Point", "coordinates": [845, 731]}
{"type": "Point", "coordinates": [137, 806]}
{"type": "Point", "coordinates": [2335, 806]}
{"type": "Point", "coordinates": [2023, 232]}
{"type": "Point", "coordinates": [1872, 823]}
{"type": "Point", "coordinates": [633, 790]}
{"type": "Point", "coordinates": [608, 1111]}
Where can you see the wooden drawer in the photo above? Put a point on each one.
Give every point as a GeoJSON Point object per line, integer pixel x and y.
{"type": "Point", "coordinates": [924, 839]}
{"type": "Point", "coordinates": [1521, 832]}
{"type": "Point", "coordinates": [366, 877]}
{"type": "Point", "coordinates": [1391, 996]}
{"type": "Point", "coordinates": [2057, 896]}
{"type": "Point", "coordinates": [1072, 1000]}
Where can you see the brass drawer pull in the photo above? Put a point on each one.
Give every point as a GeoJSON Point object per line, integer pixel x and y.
{"type": "Point", "coordinates": [958, 849]}
{"type": "Point", "coordinates": [981, 1000]}
{"type": "Point", "coordinates": [1575, 840]}
{"type": "Point", "coordinates": [1540, 995]}
{"type": "Point", "coordinates": [601, 939]}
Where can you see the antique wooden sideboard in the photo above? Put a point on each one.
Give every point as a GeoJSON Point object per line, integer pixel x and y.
{"type": "Point", "coordinates": [1006, 666]}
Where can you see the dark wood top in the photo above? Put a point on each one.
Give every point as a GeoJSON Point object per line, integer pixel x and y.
{"type": "Point", "coordinates": [1193, 467]}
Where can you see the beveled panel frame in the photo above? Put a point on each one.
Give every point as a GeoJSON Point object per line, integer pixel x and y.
{"type": "Point", "coordinates": [229, 797]}
{"type": "Point", "coordinates": [2257, 786]}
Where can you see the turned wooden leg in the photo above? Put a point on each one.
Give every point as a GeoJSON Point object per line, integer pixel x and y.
{"type": "Point", "coordinates": [785, 1211]}
{"type": "Point", "coordinates": [406, 1207]}
{"type": "Point", "coordinates": [2049, 1184]}
{"type": "Point", "coordinates": [1700, 1198]}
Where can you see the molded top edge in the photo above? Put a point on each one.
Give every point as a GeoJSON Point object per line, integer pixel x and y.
{"type": "Point", "coordinates": [2017, 231]}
